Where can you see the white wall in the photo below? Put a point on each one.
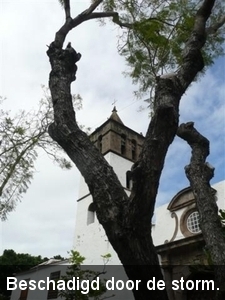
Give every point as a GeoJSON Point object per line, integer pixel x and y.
{"type": "Point", "coordinates": [120, 166]}
{"type": "Point", "coordinates": [90, 239]}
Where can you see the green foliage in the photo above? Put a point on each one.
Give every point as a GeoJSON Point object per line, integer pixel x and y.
{"type": "Point", "coordinates": [59, 257]}
{"type": "Point", "coordinates": [106, 256]}
{"type": "Point", "coordinates": [75, 258]}
{"type": "Point", "coordinates": [11, 263]}
{"type": "Point", "coordinates": [11, 258]}
{"type": "Point", "coordinates": [75, 270]}
{"type": "Point", "coordinates": [154, 35]}
{"type": "Point", "coordinates": [21, 138]}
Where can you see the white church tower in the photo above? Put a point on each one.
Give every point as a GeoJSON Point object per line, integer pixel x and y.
{"type": "Point", "coordinates": [121, 147]}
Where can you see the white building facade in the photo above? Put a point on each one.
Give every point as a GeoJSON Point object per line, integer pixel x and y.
{"type": "Point", "coordinates": [174, 222]}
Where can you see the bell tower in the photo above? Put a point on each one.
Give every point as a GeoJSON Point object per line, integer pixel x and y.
{"type": "Point", "coordinates": [113, 136]}
{"type": "Point", "coordinates": [121, 147]}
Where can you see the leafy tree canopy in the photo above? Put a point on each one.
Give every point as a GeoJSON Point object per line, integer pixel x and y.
{"type": "Point", "coordinates": [21, 137]}
{"type": "Point", "coordinates": [154, 34]}
{"type": "Point", "coordinates": [12, 262]}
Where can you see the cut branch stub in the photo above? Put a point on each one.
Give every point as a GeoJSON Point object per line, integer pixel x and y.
{"type": "Point", "coordinates": [68, 57]}
{"type": "Point", "coordinates": [188, 133]}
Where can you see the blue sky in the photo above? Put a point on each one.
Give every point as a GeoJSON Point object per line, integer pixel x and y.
{"type": "Point", "coordinates": [43, 223]}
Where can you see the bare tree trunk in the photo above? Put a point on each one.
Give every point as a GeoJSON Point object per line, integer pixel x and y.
{"type": "Point", "coordinates": [199, 173]}
{"type": "Point", "coordinates": [126, 220]}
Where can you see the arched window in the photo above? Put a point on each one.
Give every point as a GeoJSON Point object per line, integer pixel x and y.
{"type": "Point", "coordinates": [128, 180]}
{"type": "Point", "coordinates": [91, 213]}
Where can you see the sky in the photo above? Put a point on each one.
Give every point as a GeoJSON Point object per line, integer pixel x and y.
{"type": "Point", "coordinates": [43, 223]}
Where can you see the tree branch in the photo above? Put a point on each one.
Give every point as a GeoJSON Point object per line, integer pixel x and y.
{"type": "Point", "coordinates": [117, 21]}
{"type": "Point", "coordinates": [98, 15]}
{"type": "Point", "coordinates": [72, 23]}
{"type": "Point", "coordinates": [198, 143]}
{"type": "Point", "coordinates": [67, 9]}
{"type": "Point", "coordinates": [92, 7]}
{"type": "Point", "coordinates": [192, 57]}
{"type": "Point", "coordinates": [13, 166]}
{"type": "Point", "coordinates": [163, 126]}
{"type": "Point", "coordinates": [199, 173]}
{"type": "Point", "coordinates": [215, 27]}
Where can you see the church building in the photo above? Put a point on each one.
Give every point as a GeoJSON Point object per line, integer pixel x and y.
{"type": "Point", "coordinates": [176, 232]}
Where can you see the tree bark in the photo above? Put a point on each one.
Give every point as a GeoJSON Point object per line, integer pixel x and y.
{"type": "Point", "coordinates": [126, 220]}
{"type": "Point", "coordinates": [112, 204]}
{"type": "Point", "coordinates": [199, 173]}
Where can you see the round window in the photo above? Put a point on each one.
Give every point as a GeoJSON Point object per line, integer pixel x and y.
{"type": "Point", "coordinates": [193, 222]}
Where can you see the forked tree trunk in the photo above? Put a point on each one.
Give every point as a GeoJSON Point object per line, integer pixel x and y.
{"type": "Point", "coordinates": [130, 237]}
{"type": "Point", "coordinates": [126, 220]}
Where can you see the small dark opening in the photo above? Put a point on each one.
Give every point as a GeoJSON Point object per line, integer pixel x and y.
{"type": "Point", "coordinates": [91, 213]}
{"type": "Point", "coordinates": [128, 180]}
{"type": "Point", "coordinates": [123, 144]}
{"type": "Point", "coordinates": [134, 149]}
